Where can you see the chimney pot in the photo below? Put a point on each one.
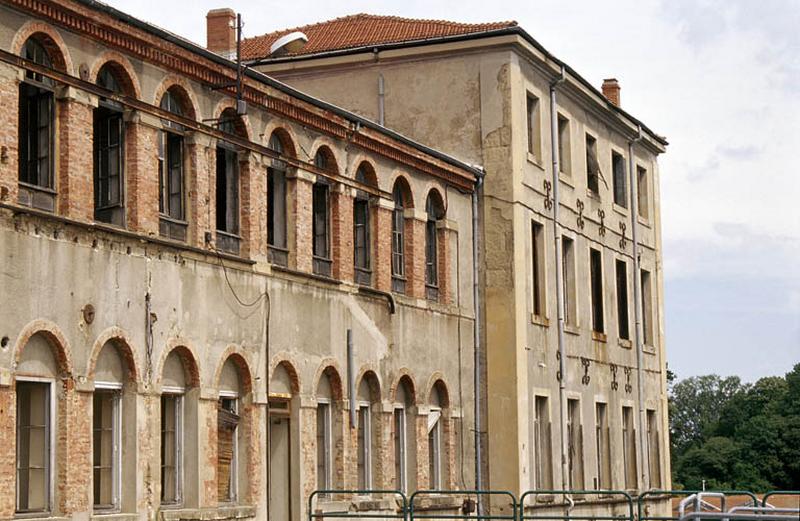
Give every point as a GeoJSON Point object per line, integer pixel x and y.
{"type": "Point", "coordinates": [611, 90]}
{"type": "Point", "coordinates": [221, 32]}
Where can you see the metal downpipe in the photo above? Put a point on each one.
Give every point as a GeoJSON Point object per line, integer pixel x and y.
{"type": "Point", "coordinates": [637, 308]}
{"type": "Point", "coordinates": [562, 374]}
{"type": "Point", "coordinates": [476, 331]}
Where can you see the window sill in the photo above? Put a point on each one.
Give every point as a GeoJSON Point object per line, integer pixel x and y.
{"type": "Point", "coordinates": [620, 209]}
{"type": "Point", "coordinates": [208, 514]}
{"type": "Point", "coordinates": [532, 159]}
{"type": "Point", "coordinates": [626, 344]}
{"type": "Point", "coordinates": [649, 350]}
{"type": "Point", "coordinates": [39, 516]}
{"type": "Point", "coordinates": [540, 320]}
{"type": "Point", "coordinates": [114, 516]}
{"type": "Point", "coordinates": [571, 329]}
{"type": "Point", "coordinates": [644, 221]}
{"type": "Point", "coordinates": [592, 195]}
{"type": "Point", "coordinates": [599, 337]}
{"type": "Point", "coordinates": [313, 276]}
{"type": "Point", "coordinates": [566, 178]}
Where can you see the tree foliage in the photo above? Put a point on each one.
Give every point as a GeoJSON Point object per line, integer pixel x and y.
{"type": "Point", "coordinates": [736, 436]}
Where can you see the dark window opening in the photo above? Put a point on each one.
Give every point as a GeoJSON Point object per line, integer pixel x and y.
{"type": "Point", "coordinates": [622, 300]}
{"type": "Point", "coordinates": [227, 200]}
{"type": "Point", "coordinates": [642, 191]}
{"type": "Point", "coordinates": [596, 268]}
{"type": "Point", "coordinates": [321, 228]}
{"type": "Point", "coordinates": [568, 280]}
{"type": "Point", "coordinates": [276, 206]}
{"type": "Point", "coordinates": [575, 444]}
{"type": "Point", "coordinates": [564, 156]}
{"type": "Point", "coordinates": [602, 448]}
{"type": "Point", "coordinates": [361, 232]}
{"type": "Point", "coordinates": [593, 173]}
{"type": "Point", "coordinates": [108, 166]}
{"type": "Point", "coordinates": [171, 184]}
{"type": "Point", "coordinates": [532, 118]}
{"type": "Point", "coordinates": [435, 212]}
{"type": "Point", "coordinates": [620, 186]}
{"type": "Point", "coordinates": [398, 240]}
{"type": "Point", "coordinates": [33, 447]}
{"type": "Point", "coordinates": [537, 268]}
{"type": "Point", "coordinates": [647, 309]}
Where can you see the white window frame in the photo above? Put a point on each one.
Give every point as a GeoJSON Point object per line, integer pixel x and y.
{"type": "Point", "coordinates": [51, 443]}
{"type": "Point", "coordinates": [327, 435]}
{"type": "Point", "coordinates": [116, 462]}
{"type": "Point", "coordinates": [436, 429]}
{"type": "Point", "coordinates": [365, 413]}
{"type": "Point", "coordinates": [402, 431]}
{"type": "Point", "coordinates": [234, 472]}
{"type": "Point", "coordinates": [178, 393]}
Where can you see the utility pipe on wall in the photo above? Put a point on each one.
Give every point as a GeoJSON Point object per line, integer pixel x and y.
{"type": "Point", "coordinates": [562, 356]}
{"type": "Point", "coordinates": [476, 331]}
{"type": "Point", "coordinates": [637, 305]}
{"type": "Point", "coordinates": [351, 380]}
{"type": "Point", "coordinates": [381, 100]}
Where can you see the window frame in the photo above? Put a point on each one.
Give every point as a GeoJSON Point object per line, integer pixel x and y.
{"type": "Point", "coordinates": [597, 291]}
{"type": "Point", "coordinates": [435, 451]}
{"type": "Point", "coordinates": [50, 439]}
{"type": "Point", "coordinates": [542, 443]}
{"type": "Point", "coordinates": [623, 299]}
{"type": "Point", "coordinates": [229, 155]}
{"type": "Point", "coordinates": [233, 473]}
{"type": "Point", "coordinates": [569, 281]}
{"type": "Point", "coordinates": [400, 427]}
{"type": "Point", "coordinates": [398, 241]}
{"type": "Point", "coordinates": [619, 178]}
{"type": "Point", "coordinates": [179, 395]}
{"type": "Point", "coordinates": [648, 315]}
{"type": "Point", "coordinates": [629, 460]}
{"type": "Point", "coordinates": [653, 439]}
{"type": "Point", "coordinates": [116, 391]}
{"type": "Point", "coordinates": [361, 206]}
{"type": "Point", "coordinates": [564, 145]}
{"type": "Point", "coordinates": [533, 125]}
{"type": "Point", "coordinates": [642, 193]}
{"type": "Point", "coordinates": [364, 435]}
{"type": "Point", "coordinates": [575, 453]}
{"type": "Point", "coordinates": [602, 447]}
{"type": "Point", "coordinates": [322, 262]}
{"type": "Point", "coordinates": [593, 173]}
{"type": "Point", "coordinates": [538, 273]}
{"type": "Point", "coordinates": [324, 404]}
{"type": "Point", "coordinates": [104, 114]}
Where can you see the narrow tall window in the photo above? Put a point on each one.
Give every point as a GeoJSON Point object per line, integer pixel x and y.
{"type": "Point", "coordinates": [434, 211]}
{"type": "Point", "coordinates": [324, 447]}
{"type": "Point", "coordinates": [435, 431]}
{"type": "Point", "coordinates": [171, 448]}
{"type": "Point", "coordinates": [321, 228]}
{"type": "Point", "coordinates": [33, 447]}
{"type": "Point", "coordinates": [564, 146]}
{"type": "Point", "coordinates": [542, 448]}
{"type": "Point", "coordinates": [108, 154]}
{"type": "Point", "coordinates": [642, 192]}
{"type": "Point", "coordinates": [398, 240]}
{"type": "Point", "coordinates": [400, 458]}
{"type": "Point", "coordinates": [596, 269]}
{"type": "Point", "coordinates": [603, 447]}
{"type": "Point", "coordinates": [653, 449]}
{"type": "Point", "coordinates": [364, 447]}
{"type": "Point", "coordinates": [575, 441]}
{"type": "Point", "coordinates": [620, 186]}
{"type": "Point", "coordinates": [629, 447]}
{"type": "Point", "coordinates": [532, 119]}
{"type": "Point", "coordinates": [172, 215]}
{"type": "Point", "coordinates": [106, 447]}
{"type": "Point", "coordinates": [622, 300]}
{"type": "Point", "coordinates": [647, 309]}
{"type": "Point", "coordinates": [593, 173]}
{"type": "Point", "coordinates": [36, 132]}
{"type": "Point", "coordinates": [227, 175]}
{"type": "Point", "coordinates": [568, 281]}
{"type": "Point", "coordinates": [537, 268]}
{"type": "Point", "coordinates": [227, 447]}
{"type": "Point", "coordinates": [361, 232]}
{"type": "Point", "coordinates": [276, 205]}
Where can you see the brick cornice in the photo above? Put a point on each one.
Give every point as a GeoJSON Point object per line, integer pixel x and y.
{"type": "Point", "coordinates": [130, 40]}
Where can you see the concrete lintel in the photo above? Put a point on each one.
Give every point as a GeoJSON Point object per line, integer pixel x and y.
{"type": "Point", "coordinates": [71, 93]}
{"type": "Point", "coordinates": [302, 175]}
{"type": "Point", "coordinates": [415, 213]}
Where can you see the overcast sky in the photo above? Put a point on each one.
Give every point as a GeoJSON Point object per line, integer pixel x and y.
{"type": "Point", "coordinates": [719, 78]}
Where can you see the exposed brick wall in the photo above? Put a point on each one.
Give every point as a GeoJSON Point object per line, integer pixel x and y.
{"type": "Point", "coordinates": [342, 234]}
{"type": "Point", "coordinates": [208, 469]}
{"type": "Point", "coordinates": [74, 456]}
{"type": "Point", "coordinates": [252, 190]}
{"type": "Point", "coordinates": [198, 180]}
{"type": "Point", "coordinates": [75, 166]}
{"type": "Point", "coordinates": [415, 253]}
{"type": "Point", "coordinates": [308, 451]}
{"type": "Point", "coordinates": [8, 453]}
{"type": "Point", "coordinates": [444, 267]}
{"type": "Point", "coordinates": [141, 177]}
{"type": "Point", "coordinates": [9, 126]}
{"type": "Point", "coordinates": [419, 424]}
{"type": "Point", "coordinates": [382, 247]}
{"type": "Point", "coordinates": [300, 244]}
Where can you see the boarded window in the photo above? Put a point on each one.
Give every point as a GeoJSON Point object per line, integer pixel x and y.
{"type": "Point", "coordinates": [537, 268]}
{"type": "Point", "coordinates": [568, 281]}
{"type": "Point", "coordinates": [653, 449]}
{"type": "Point", "coordinates": [564, 146]}
{"type": "Point", "coordinates": [575, 441]}
{"type": "Point", "coordinates": [620, 186]}
{"type": "Point", "coordinates": [643, 192]}
{"type": "Point", "coordinates": [596, 272]}
{"type": "Point", "coordinates": [647, 308]}
{"type": "Point", "coordinates": [543, 461]}
{"type": "Point", "coordinates": [622, 299]}
{"type": "Point", "coordinates": [33, 446]}
{"type": "Point", "coordinates": [603, 447]}
{"type": "Point", "coordinates": [629, 447]}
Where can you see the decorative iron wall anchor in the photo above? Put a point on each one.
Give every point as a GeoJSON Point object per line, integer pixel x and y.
{"type": "Point", "coordinates": [548, 201]}
{"type": "Point", "coordinates": [614, 383]}
{"type": "Point", "coordinates": [580, 206]}
{"type": "Point", "coordinates": [623, 242]}
{"type": "Point", "coordinates": [602, 215]}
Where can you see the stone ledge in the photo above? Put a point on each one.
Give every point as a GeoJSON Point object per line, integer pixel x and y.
{"type": "Point", "coordinates": [207, 514]}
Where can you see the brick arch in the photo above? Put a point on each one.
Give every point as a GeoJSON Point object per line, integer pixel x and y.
{"type": "Point", "coordinates": [123, 343]}
{"type": "Point", "coordinates": [325, 146]}
{"type": "Point", "coordinates": [186, 353]}
{"type": "Point", "coordinates": [438, 381]}
{"type": "Point", "coordinates": [356, 161]}
{"type": "Point", "coordinates": [404, 375]}
{"type": "Point", "coordinates": [58, 343]}
{"type": "Point", "coordinates": [124, 72]}
{"type": "Point", "coordinates": [374, 381]}
{"type": "Point", "coordinates": [285, 134]}
{"type": "Point", "coordinates": [185, 91]}
{"type": "Point", "coordinates": [239, 358]}
{"type": "Point", "coordinates": [401, 178]}
{"type": "Point", "coordinates": [243, 127]}
{"type": "Point", "coordinates": [285, 361]}
{"type": "Point", "coordinates": [52, 41]}
{"type": "Point", "coordinates": [432, 191]}
{"type": "Point", "coordinates": [330, 368]}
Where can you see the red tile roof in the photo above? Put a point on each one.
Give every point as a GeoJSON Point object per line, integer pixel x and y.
{"type": "Point", "coordinates": [360, 30]}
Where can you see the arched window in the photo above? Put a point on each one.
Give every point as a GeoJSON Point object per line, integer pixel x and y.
{"type": "Point", "coordinates": [231, 441]}
{"type": "Point", "coordinates": [36, 132]}
{"type": "Point", "coordinates": [368, 417]}
{"type": "Point", "coordinates": [171, 176]}
{"type": "Point", "coordinates": [321, 217]}
{"type": "Point", "coordinates": [398, 238]}
{"type": "Point", "coordinates": [283, 445]}
{"type": "Point", "coordinates": [325, 458]}
{"type": "Point", "coordinates": [113, 421]}
{"type": "Point", "coordinates": [109, 147]}
{"type": "Point", "coordinates": [434, 210]}
{"type": "Point", "coordinates": [227, 176]}
{"type": "Point", "coordinates": [276, 204]}
{"type": "Point", "coordinates": [362, 244]}
{"type": "Point", "coordinates": [436, 443]}
{"type": "Point", "coordinates": [404, 436]}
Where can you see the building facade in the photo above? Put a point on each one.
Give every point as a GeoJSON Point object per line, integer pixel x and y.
{"type": "Point", "coordinates": [493, 96]}
{"type": "Point", "coordinates": [212, 309]}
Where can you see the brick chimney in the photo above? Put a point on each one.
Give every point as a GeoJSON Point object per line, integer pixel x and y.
{"type": "Point", "coordinates": [221, 32]}
{"type": "Point", "coordinates": [611, 90]}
